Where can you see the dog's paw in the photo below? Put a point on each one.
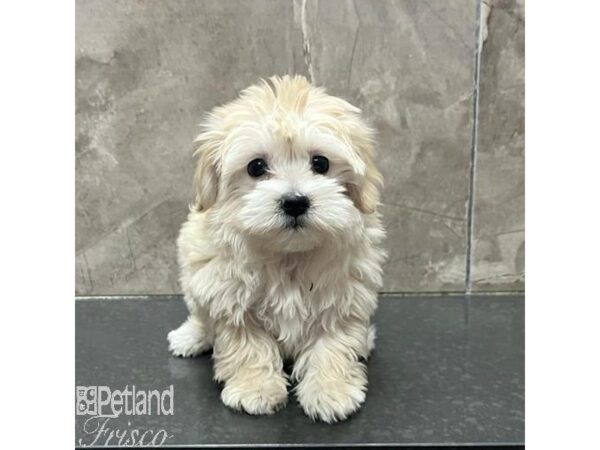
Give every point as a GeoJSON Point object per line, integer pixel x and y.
{"type": "Point", "coordinates": [188, 340]}
{"type": "Point", "coordinates": [254, 393]}
{"type": "Point", "coordinates": [330, 397]}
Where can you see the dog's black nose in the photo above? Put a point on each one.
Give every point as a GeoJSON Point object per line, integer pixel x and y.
{"type": "Point", "coordinates": [294, 205]}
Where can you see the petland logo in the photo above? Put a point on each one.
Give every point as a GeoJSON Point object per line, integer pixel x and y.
{"type": "Point", "coordinates": [103, 405]}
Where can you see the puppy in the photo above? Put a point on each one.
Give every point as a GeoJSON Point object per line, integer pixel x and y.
{"type": "Point", "coordinates": [280, 256]}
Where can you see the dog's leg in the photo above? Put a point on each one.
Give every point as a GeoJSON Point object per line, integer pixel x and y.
{"type": "Point", "coordinates": [247, 359]}
{"type": "Point", "coordinates": [371, 336]}
{"type": "Point", "coordinates": [192, 338]}
{"type": "Point", "coordinates": [333, 380]}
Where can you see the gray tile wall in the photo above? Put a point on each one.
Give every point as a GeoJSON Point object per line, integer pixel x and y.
{"type": "Point", "coordinates": [146, 71]}
{"type": "Point", "coordinates": [498, 237]}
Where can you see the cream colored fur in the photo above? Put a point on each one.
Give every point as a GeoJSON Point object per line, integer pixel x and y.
{"type": "Point", "coordinates": [259, 292]}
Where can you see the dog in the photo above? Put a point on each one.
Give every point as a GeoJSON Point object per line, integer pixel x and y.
{"type": "Point", "coordinates": [281, 255]}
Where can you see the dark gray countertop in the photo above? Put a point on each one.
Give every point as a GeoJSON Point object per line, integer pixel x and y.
{"type": "Point", "coordinates": [445, 371]}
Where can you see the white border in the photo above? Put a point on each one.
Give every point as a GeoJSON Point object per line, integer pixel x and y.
{"type": "Point", "coordinates": [37, 223]}
{"type": "Point", "coordinates": [562, 216]}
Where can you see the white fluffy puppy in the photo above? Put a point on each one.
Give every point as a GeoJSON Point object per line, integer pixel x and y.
{"type": "Point", "coordinates": [280, 256]}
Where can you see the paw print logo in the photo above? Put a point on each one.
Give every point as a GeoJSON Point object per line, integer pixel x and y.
{"type": "Point", "coordinates": [86, 400]}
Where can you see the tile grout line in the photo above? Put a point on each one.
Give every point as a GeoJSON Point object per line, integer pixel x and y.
{"type": "Point", "coordinates": [306, 41]}
{"type": "Point", "coordinates": [178, 297]}
{"type": "Point", "coordinates": [473, 150]}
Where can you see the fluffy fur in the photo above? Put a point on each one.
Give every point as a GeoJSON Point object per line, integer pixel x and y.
{"type": "Point", "coordinates": [259, 291]}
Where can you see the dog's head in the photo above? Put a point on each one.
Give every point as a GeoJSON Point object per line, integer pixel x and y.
{"type": "Point", "coordinates": [287, 165]}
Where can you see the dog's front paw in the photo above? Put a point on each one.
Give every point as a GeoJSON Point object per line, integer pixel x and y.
{"type": "Point", "coordinates": [332, 396]}
{"type": "Point", "coordinates": [255, 393]}
{"type": "Point", "coordinates": [188, 340]}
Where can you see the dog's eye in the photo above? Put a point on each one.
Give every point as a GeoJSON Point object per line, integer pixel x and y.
{"type": "Point", "coordinates": [320, 164]}
{"type": "Point", "coordinates": [257, 167]}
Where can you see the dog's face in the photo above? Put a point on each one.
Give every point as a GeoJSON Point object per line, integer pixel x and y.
{"type": "Point", "coordinates": [287, 166]}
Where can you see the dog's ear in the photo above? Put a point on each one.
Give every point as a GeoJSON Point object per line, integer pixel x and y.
{"type": "Point", "coordinates": [206, 178]}
{"type": "Point", "coordinates": [364, 190]}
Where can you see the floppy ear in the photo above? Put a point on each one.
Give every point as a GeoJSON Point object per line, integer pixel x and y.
{"type": "Point", "coordinates": [206, 178]}
{"type": "Point", "coordinates": [364, 191]}
{"type": "Point", "coordinates": [365, 195]}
